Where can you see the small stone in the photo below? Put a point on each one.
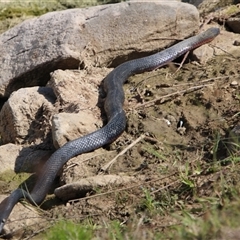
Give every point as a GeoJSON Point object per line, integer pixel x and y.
{"type": "Point", "coordinates": [171, 118]}
{"type": "Point", "coordinates": [234, 83]}
{"type": "Point", "coordinates": [181, 130]}
{"type": "Point", "coordinates": [236, 43]}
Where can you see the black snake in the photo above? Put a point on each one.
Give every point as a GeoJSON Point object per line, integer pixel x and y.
{"type": "Point", "coordinates": [116, 119]}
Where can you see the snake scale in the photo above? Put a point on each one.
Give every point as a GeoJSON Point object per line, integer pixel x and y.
{"type": "Point", "coordinates": [113, 83]}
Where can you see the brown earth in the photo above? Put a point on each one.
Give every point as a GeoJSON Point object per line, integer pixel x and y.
{"type": "Point", "coordinates": [186, 168]}
{"type": "Point", "coordinates": [176, 167]}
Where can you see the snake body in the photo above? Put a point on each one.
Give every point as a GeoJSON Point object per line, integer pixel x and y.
{"type": "Point", "coordinates": [113, 83]}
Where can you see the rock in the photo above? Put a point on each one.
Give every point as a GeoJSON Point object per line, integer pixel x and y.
{"type": "Point", "coordinates": [80, 188]}
{"type": "Point", "coordinates": [21, 159]}
{"type": "Point", "coordinates": [70, 126]}
{"type": "Point", "coordinates": [205, 52]}
{"type": "Point", "coordinates": [7, 161]}
{"type": "Point", "coordinates": [234, 24]}
{"type": "Point", "coordinates": [22, 112]}
{"type": "Point", "coordinates": [78, 92]}
{"type": "Point", "coordinates": [234, 83]}
{"type": "Point", "coordinates": [92, 36]}
{"type": "Point", "coordinates": [24, 118]}
{"type": "Point", "coordinates": [236, 43]}
{"type": "Point", "coordinates": [224, 43]}
{"type": "Point", "coordinates": [77, 87]}
{"type": "Point", "coordinates": [22, 219]}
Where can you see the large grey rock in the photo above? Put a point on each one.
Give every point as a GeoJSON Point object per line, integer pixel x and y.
{"type": "Point", "coordinates": [100, 36]}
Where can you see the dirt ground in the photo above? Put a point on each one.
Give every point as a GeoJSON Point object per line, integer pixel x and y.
{"type": "Point", "coordinates": [185, 161]}
{"type": "Point", "coordinates": [185, 155]}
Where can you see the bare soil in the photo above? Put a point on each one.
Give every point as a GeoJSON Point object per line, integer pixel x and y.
{"type": "Point", "coordinates": [185, 116]}
{"type": "Point", "coordinates": [185, 161]}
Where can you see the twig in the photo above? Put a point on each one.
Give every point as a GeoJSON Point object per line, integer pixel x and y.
{"type": "Point", "coordinates": [107, 166]}
{"type": "Point", "coordinates": [204, 81]}
{"type": "Point", "coordinates": [166, 186]}
{"type": "Point", "coordinates": [150, 103]}
{"type": "Point", "coordinates": [140, 95]}
{"type": "Point", "coordinates": [182, 62]}
{"type": "Point", "coordinates": [37, 231]}
{"type": "Point", "coordinates": [225, 51]}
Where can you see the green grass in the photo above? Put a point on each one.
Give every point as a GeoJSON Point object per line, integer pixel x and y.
{"type": "Point", "coordinates": [211, 225]}
{"type": "Point", "coordinates": [15, 11]}
{"type": "Point", "coordinates": [67, 230]}
{"type": "Point", "coordinates": [18, 8]}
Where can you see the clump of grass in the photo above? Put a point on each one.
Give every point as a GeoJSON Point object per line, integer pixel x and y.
{"type": "Point", "coordinates": [211, 225]}
{"type": "Point", "coordinates": [68, 230]}
{"type": "Point", "coordinates": [116, 231]}
{"type": "Point", "coordinates": [19, 8]}
{"type": "Point", "coordinates": [148, 202]}
{"type": "Point", "coordinates": [14, 12]}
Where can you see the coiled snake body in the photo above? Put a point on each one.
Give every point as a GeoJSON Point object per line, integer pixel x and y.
{"type": "Point", "coordinates": [116, 120]}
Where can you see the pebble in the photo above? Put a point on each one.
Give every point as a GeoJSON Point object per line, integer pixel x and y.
{"type": "Point", "coordinates": [234, 83]}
